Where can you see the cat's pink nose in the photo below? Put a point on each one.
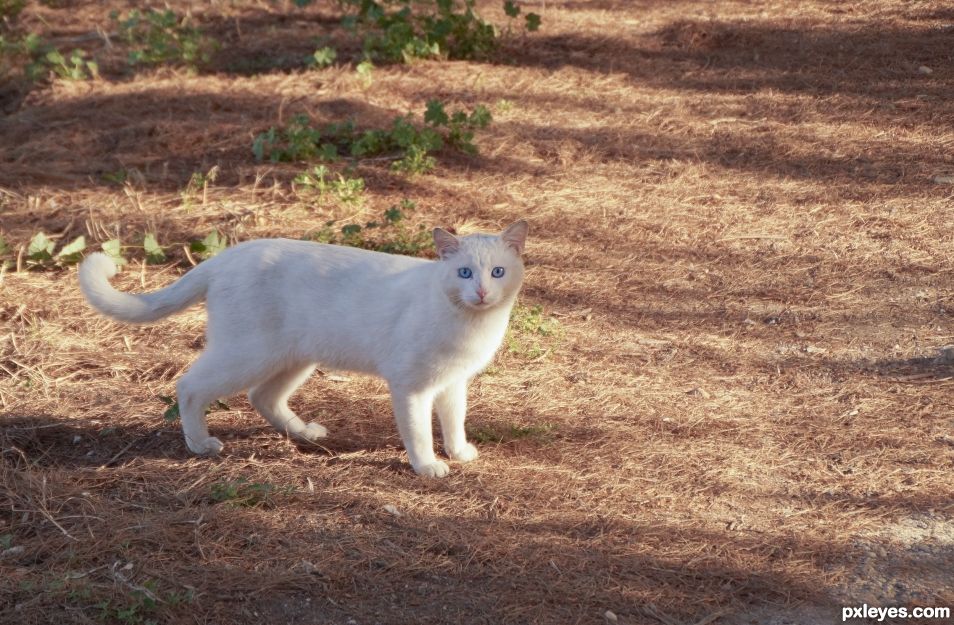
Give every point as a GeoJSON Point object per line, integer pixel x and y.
{"type": "Point", "coordinates": [481, 293]}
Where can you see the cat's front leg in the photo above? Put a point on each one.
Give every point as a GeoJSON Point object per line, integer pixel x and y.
{"type": "Point", "coordinates": [412, 411]}
{"type": "Point", "coordinates": [451, 404]}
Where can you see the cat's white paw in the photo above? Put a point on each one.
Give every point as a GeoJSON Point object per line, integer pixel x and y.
{"type": "Point", "coordinates": [438, 468]}
{"type": "Point", "coordinates": [465, 454]}
{"type": "Point", "coordinates": [312, 432]}
{"type": "Point", "coordinates": [208, 447]}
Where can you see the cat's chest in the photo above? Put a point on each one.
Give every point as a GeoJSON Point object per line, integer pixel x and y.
{"type": "Point", "coordinates": [472, 347]}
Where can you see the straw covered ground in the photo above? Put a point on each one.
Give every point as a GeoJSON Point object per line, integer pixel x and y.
{"type": "Point", "coordinates": [732, 406]}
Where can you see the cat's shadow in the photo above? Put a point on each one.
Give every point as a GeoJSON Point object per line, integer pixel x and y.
{"type": "Point", "coordinates": [47, 440]}
{"type": "Point", "coordinates": [341, 446]}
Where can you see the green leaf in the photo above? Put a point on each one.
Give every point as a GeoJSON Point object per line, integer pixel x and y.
{"type": "Point", "coordinates": [73, 251]}
{"type": "Point", "coordinates": [435, 114]}
{"type": "Point", "coordinates": [4, 248]}
{"type": "Point", "coordinates": [430, 140]}
{"type": "Point", "coordinates": [348, 190]}
{"type": "Point", "coordinates": [480, 117]}
{"type": "Point", "coordinates": [172, 412]}
{"type": "Point", "coordinates": [314, 178]}
{"type": "Point", "coordinates": [364, 70]}
{"type": "Point", "coordinates": [511, 9]}
{"type": "Point", "coordinates": [155, 255]}
{"type": "Point", "coordinates": [40, 249]}
{"type": "Point", "coordinates": [393, 215]}
{"type": "Point", "coordinates": [324, 57]}
{"type": "Point", "coordinates": [113, 249]}
{"type": "Point", "coordinates": [117, 177]}
{"type": "Point", "coordinates": [54, 57]}
{"type": "Point", "coordinates": [208, 247]}
{"type": "Point", "coordinates": [368, 143]}
{"type": "Point", "coordinates": [328, 152]}
{"type": "Point", "coordinates": [404, 133]}
{"type": "Point", "coordinates": [533, 22]}
{"type": "Point", "coordinates": [262, 140]}
{"type": "Point", "coordinates": [350, 230]}
{"type": "Point", "coordinates": [162, 36]}
{"type": "Point", "coordinates": [258, 147]}
{"type": "Point", "coordinates": [214, 242]}
{"type": "Point", "coordinates": [32, 43]}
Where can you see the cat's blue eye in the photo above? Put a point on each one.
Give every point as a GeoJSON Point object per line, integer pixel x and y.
{"type": "Point", "coordinates": [497, 272]}
{"type": "Point", "coordinates": [465, 273]}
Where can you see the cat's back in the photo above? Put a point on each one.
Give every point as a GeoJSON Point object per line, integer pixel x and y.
{"type": "Point", "coordinates": [287, 296]}
{"type": "Point", "coordinates": [289, 257]}
{"type": "Point", "coordinates": [277, 283]}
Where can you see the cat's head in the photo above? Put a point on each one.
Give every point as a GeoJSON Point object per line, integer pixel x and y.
{"type": "Point", "coordinates": [481, 271]}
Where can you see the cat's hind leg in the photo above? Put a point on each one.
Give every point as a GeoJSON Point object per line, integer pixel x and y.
{"type": "Point", "coordinates": [270, 398]}
{"type": "Point", "coordinates": [212, 376]}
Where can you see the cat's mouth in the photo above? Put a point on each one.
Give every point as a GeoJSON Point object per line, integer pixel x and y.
{"type": "Point", "coordinates": [484, 304]}
{"type": "Point", "coordinates": [472, 304]}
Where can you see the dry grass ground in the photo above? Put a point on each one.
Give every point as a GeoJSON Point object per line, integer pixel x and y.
{"type": "Point", "coordinates": [744, 416]}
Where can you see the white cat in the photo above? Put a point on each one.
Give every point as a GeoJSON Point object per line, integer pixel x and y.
{"type": "Point", "coordinates": [279, 307]}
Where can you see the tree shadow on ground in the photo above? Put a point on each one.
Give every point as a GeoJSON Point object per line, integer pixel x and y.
{"type": "Point", "coordinates": [158, 138]}
{"type": "Point", "coordinates": [343, 548]}
{"type": "Point", "coordinates": [873, 69]}
{"type": "Point", "coordinates": [338, 553]}
{"type": "Point", "coordinates": [261, 41]}
{"type": "Point", "coordinates": [761, 152]}
{"type": "Point", "coordinates": [166, 135]}
{"type": "Point", "coordinates": [874, 61]}
{"type": "Point", "coordinates": [162, 134]}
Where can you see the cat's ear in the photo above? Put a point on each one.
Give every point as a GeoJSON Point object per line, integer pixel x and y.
{"type": "Point", "coordinates": [445, 242]}
{"type": "Point", "coordinates": [516, 235]}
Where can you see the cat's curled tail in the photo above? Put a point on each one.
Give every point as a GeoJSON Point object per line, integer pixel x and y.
{"type": "Point", "coordinates": [97, 269]}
